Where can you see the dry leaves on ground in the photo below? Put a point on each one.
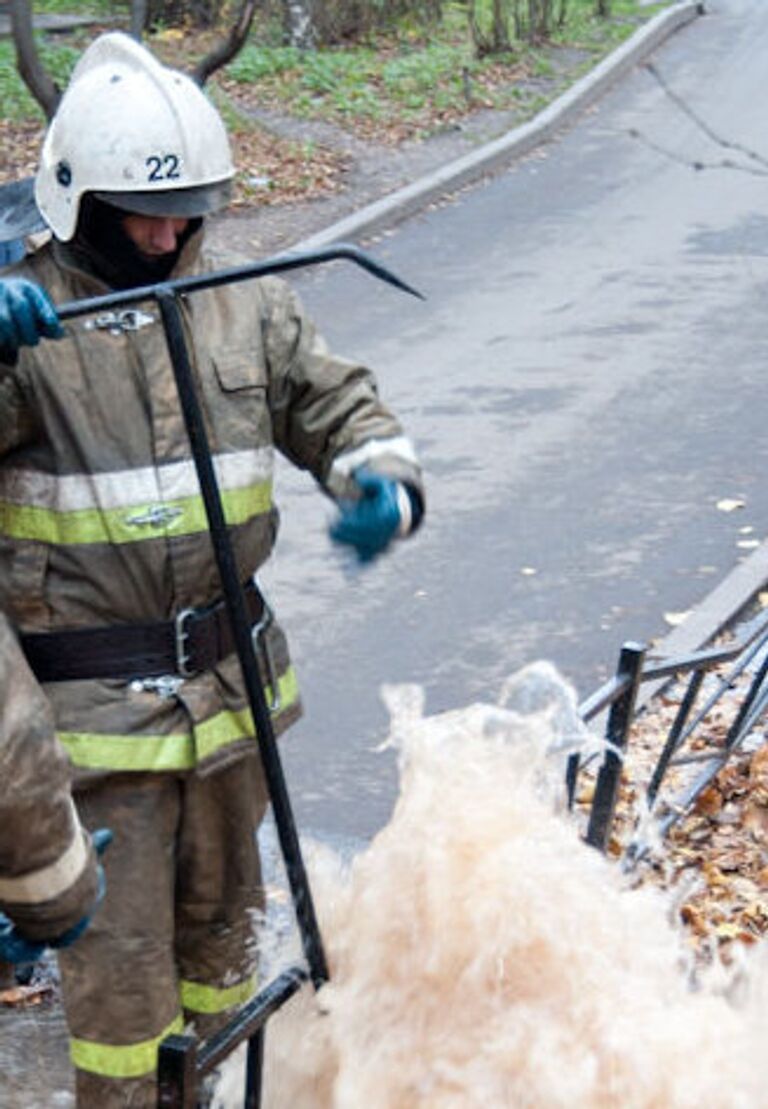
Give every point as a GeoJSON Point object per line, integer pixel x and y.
{"type": "Point", "coordinates": [270, 170]}
{"type": "Point", "coordinates": [715, 859]}
{"type": "Point", "coordinates": [19, 149]}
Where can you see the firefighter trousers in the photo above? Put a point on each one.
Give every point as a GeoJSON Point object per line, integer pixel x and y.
{"type": "Point", "coordinates": [175, 939]}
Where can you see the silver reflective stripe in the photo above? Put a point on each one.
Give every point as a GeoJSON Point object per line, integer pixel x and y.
{"type": "Point", "coordinates": [52, 880]}
{"type": "Point", "coordinates": [343, 465]}
{"type": "Point", "coordinates": [126, 488]}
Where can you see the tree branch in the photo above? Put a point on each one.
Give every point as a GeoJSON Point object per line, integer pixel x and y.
{"type": "Point", "coordinates": [39, 82]}
{"type": "Point", "coordinates": [229, 47]}
{"type": "Point", "coordinates": [138, 18]}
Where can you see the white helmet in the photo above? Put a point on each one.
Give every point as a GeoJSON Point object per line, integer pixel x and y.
{"type": "Point", "coordinates": [138, 135]}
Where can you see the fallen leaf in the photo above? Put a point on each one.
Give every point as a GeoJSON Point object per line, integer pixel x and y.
{"type": "Point", "coordinates": [758, 768]}
{"type": "Point", "coordinates": [730, 930]}
{"type": "Point", "coordinates": [695, 919]}
{"type": "Point", "coordinates": [732, 859]}
{"type": "Point", "coordinates": [757, 913]}
{"type": "Point", "coordinates": [713, 876]}
{"type": "Point", "coordinates": [17, 997]}
{"type": "Point", "coordinates": [586, 794]}
{"type": "Point", "coordinates": [709, 802]}
{"type": "Point", "coordinates": [756, 821]}
{"type": "Point", "coordinates": [675, 618]}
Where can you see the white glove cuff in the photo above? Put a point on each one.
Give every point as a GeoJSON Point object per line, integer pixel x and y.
{"type": "Point", "coordinates": [405, 510]}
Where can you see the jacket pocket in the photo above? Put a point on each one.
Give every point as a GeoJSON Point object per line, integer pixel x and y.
{"type": "Point", "coordinates": [238, 371]}
{"type": "Point", "coordinates": [24, 564]}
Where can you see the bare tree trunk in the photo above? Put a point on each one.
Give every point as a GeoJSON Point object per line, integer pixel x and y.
{"type": "Point", "coordinates": [500, 34]}
{"type": "Point", "coordinates": [138, 18]}
{"type": "Point", "coordinates": [518, 20]}
{"type": "Point", "coordinates": [298, 24]}
{"type": "Point", "coordinates": [230, 46]}
{"type": "Point", "coordinates": [39, 82]}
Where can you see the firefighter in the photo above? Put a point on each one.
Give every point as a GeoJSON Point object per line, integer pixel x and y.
{"type": "Point", "coordinates": [107, 566]}
{"type": "Point", "coordinates": [50, 881]}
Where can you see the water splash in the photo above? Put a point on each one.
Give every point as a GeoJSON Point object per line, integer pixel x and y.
{"type": "Point", "coordinates": [481, 955]}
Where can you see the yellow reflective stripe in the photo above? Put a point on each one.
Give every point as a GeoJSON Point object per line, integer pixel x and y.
{"type": "Point", "coordinates": [221, 730]}
{"type": "Point", "coordinates": [102, 751]}
{"type": "Point", "coordinates": [175, 751]}
{"type": "Point", "coordinates": [199, 998]}
{"type": "Point", "coordinates": [129, 524]}
{"type": "Point", "coordinates": [228, 727]}
{"type": "Point", "coordinates": [121, 1061]}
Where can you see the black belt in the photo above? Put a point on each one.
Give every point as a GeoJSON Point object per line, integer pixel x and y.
{"type": "Point", "coordinates": [196, 640]}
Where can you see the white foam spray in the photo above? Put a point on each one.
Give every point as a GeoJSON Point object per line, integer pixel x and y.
{"type": "Point", "coordinates": [482, 956]}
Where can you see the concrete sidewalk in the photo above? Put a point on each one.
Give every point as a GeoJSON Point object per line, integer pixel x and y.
{"type": "Point", "coordinates": [57, 23]}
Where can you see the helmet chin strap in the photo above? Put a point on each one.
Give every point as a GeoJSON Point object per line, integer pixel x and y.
{"type": "Point", "coordinates": [103, 247]}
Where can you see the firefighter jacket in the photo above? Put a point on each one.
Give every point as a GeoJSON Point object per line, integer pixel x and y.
{"type": "Point", "coordinates": [101, 517]}
{"type": "Point", "coordinates": [47, 865]}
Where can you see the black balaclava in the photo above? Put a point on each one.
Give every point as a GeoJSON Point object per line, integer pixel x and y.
{"type": "Point", "coordinates": [101, 246]}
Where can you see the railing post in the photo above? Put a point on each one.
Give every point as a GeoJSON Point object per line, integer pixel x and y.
{"type": "Point", "coordinates": [675, 733]}
{"type": "Point", "coordinates": [630, 666]}
{"type": "Point", "coordinates": [177, 1073]}
{"type": "Point", "coordinates": [254, 1068]}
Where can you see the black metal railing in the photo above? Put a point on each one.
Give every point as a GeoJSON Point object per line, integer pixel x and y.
{"type": "Point", "coordinates": [619, 696]}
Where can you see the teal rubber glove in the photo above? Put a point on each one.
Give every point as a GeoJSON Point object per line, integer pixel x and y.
{"type": "Point", "coordinates": [26, 316]}
{"type": "Point", "coordinates": [15, 949]}
{"type": "Point", "coordinates": [370, 523]}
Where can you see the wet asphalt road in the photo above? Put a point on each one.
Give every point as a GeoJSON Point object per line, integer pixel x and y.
{"type": "Point", "coordinates": [584, 383]}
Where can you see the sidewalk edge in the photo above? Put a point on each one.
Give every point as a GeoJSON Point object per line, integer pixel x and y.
{"type": "Point", "coordinates": [711, 615]}
{"type": "Point", "coordinates": [397, 205]}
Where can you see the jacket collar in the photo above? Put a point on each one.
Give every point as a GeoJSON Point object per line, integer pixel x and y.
{"type": "Point", "coordinates": [76, 262]}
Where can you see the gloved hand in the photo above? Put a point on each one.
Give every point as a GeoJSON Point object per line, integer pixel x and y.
{"type": "Point", "coordinates": [370, 523]}
{"type": "Point", "coordinates": [26, 314]}
{"type": "Point", "coordinates": [15, 949]}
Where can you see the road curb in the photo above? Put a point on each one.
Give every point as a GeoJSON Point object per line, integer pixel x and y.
{"type": "Point", "coordinates": [720, 607]}
{"type": "Point", "coordinates": [712, 615]}
{"type": "Point", "coordinates": [397, 205]}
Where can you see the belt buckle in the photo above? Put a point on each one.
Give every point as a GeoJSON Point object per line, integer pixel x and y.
{"type": "Point", "coordinates": [181, 637]}
{"type": "Point", "coordinates": [260, 644]}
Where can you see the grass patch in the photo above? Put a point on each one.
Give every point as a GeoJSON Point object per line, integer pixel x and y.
{"type": "Point", "coordinates": [416, 79]}
{"type": "Point", "coordinates": [102, 8]}
{"type": "Point", "coordinates": [16, 102]}
{"type": "Point", "coordinates": [410, 76]}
